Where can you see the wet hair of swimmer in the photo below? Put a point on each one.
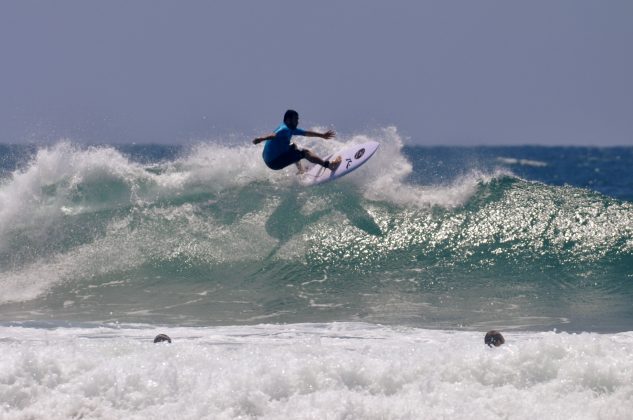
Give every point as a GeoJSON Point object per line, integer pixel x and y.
{"type": "Point", "coordinates": [494, 338]}
{"type": "Point", "coordinates": [162, 337]}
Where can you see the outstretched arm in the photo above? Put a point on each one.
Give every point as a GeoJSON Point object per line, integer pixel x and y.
{"type": "Point", "coordinates": [327, 135]}
{"type": "Point", "coordinates": [264, 138]}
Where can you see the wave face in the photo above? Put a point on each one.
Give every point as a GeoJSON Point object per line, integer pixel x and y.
{"type": "Point", "coordinates": [207, 235]}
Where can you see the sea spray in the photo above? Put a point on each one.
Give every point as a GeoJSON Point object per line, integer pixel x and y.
{"type": "Point", "coordinates": [208, 235]}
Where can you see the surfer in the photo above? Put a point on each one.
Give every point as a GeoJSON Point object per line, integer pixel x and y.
{"type": "Point", "coordinates": [279, 152]}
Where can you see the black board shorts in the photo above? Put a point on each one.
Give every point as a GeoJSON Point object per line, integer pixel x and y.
{"type": "Point", "coordinates": [290, 156]}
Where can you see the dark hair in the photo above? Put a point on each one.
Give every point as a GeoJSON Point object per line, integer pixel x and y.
{"type": "Point", "coordinates": [162, 337]}
{"type": "Point", "coordinates": [494, 338]}
{"type": "Point", "coordinates": [290, 113]}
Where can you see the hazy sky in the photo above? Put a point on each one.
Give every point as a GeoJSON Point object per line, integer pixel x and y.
{"type": "Point", "coordinates": [443, 72]}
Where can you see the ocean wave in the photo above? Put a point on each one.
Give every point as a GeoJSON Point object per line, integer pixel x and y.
{"type": "Point", "coordinates": [214, 220]}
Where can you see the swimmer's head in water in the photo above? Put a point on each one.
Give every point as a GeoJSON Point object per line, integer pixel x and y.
{"type": "Point", "coordinates": [494, 338]}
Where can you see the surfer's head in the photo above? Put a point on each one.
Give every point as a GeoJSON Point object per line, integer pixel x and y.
{"type": "Point", "coordinates": [494, 338]}
{"type": "Point", "coordinates": [291, 119]}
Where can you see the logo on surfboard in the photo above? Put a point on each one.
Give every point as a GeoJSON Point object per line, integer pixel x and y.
{"type": "Point", "coordinates": [359, 154]}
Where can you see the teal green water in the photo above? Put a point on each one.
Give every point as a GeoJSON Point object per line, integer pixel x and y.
{"type": "Point", "coordinates": [109, 234]}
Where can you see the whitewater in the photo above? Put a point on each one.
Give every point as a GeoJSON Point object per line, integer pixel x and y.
{"type": "Point", "coordinates": [363, 298]}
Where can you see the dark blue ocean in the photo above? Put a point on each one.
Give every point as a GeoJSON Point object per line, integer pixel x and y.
{"type": "Point", "coordinates": [298, 296]}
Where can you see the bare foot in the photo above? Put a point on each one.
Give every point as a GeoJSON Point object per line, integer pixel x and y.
{"type": "Point", "coordinates": [334, 164]}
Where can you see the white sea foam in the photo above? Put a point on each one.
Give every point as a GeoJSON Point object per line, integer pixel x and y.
{"type": "Point", "coordinates": [308, 371]}
{"type": "Point", "coordinates": [47, 188]}
{"type": "Point", "coordinates": [385, 176]}
{"type": "Point", "coordinates": [59, 179]}
{"type": "Point", "coordinates": [37, 196]}
{"type": "Point", "coordinates": [524, 162]}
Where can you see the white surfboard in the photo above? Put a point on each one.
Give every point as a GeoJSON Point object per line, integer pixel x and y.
{"type": "Point", "coordinates": [352, 158]}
